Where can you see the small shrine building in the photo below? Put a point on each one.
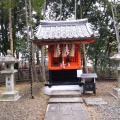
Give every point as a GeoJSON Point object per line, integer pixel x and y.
{"type": "Point", "coordinates": [64, 39]}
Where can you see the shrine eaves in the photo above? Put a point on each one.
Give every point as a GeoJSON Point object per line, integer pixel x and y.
{"type": "Point", "coordinates": [64, 31]}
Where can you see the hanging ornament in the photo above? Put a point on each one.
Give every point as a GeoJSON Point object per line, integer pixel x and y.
{"type": "Point", "coordinates": [64, 54]}
{"type": "Point", "coordinates": [72, 51]}
{"type": "Point", "coordinates": [55, 51]}
{"type": "Point", "coordinates": [63, 64]}
{"type": "Point", "coordinates": [58, 49]}
{"type": "Point", "coordinates": [67, 50]}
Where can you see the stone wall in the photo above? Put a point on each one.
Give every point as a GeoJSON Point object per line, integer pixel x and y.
{"type": "Point", "coordinates": [22, 75]}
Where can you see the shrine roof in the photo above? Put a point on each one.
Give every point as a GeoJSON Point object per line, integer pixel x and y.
{"type": "Point", "coordinates": [63, 30]}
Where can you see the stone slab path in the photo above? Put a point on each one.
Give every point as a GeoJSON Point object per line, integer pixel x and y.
{"type": "Point", "coordinates": [66, 111]}
{"type": "Point", "coordinates": [65, 96]}
{"type": "Point", "coordinates": [95, 101]}
{"type": "Point", "coordinates": [66, 100]}
{"type": "Point", "coordinates": [65, 92]}
{"type": "Point", "coordinates": [66, 105]}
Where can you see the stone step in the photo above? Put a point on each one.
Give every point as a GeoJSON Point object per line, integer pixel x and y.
{"type": "Point", "coordinates": [66, 100]}
{"type": "Point", "coordinates": [95, 101]}
{"type": "Point", "coordinates": [65, 93]}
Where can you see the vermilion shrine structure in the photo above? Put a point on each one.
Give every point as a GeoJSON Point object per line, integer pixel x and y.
{"type": "Point", "coordinates": [64, 39]}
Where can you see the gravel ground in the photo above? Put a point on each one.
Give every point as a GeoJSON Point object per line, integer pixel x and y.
{"type": "Point", "coordinates": [111, 111]}
{"type": "Point", "coordinates": [34, 109]}
{"type": "Point", "coordinates": [25, 108]}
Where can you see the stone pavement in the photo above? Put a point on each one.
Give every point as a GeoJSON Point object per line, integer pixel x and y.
{"type": "Point", "coordinates": [66, 111]}
{"type": "Point", "coordinates": [69, 105]}
{"type": "Point", "coordinates": [65, 93]}
{"type": "Point", "coordinates": [66, 105]}
{"type": "Point", "coordinates": [95, 101]}
{"type": "Point", "coordinates": [65, 96]}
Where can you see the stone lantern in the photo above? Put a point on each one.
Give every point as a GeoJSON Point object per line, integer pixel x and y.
{"type": "Point", "coordinates": [10, 94]}
{"type": "Point", "coordinates": [116, 90]}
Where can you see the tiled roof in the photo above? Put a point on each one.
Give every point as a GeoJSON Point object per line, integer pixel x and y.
{"type": "Point", "coordinates": [55, 30]}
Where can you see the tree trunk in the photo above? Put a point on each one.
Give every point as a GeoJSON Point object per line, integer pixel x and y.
{"type": "Point", "coordinates": [10, 30]}
{"type": "Point", "coordinates": [84, 51]}
{"type": "Point", "coordinates": [3, 28]}
{"type": "Point", "coordinates": [14, 28]}
{"type": "Point", "coordinates": [33, 47]}
{"type": "Point", "coordinates": [85, 59]}
{"type": "Point", "coordinates": [43, 63]}
{"type": "Point", "coordinates": [33, 64]}
{"type": "Point", "coordinates": [40, 68]}
{"type": "Point", "coordinates": [37, 55]}
{"type": "Point", "coordinates": [43, 53]}
{"type": "Point", "coordinates": [95, 67]}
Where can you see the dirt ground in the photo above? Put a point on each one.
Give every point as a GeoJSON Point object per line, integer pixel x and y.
{"type": "Point", "coordinates": [34, 109]}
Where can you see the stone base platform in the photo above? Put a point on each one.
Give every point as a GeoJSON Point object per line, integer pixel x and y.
{"type": "Point", "coordinates": [10, 96]}
{"type": "Point", "coordinates": [48, 90]}
{"type": "Point", "coordinates": [116, 92]}
{"type": "Point", "coordinates": [65, 93]}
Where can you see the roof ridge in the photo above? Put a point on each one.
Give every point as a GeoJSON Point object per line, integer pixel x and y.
{"type": "Point", "coordinates": [73, 22]}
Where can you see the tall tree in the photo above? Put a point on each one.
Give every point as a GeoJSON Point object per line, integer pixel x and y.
{"type": "Point", "coordinates": [16, 24]}
{"type": "Point", "coordinates": [100, 17]}
{"type": "Point", "coordinates": [10, 28]}
{"type": "Point", "coordinates": [42, 64]}
{"type": "Point", "coordinates": [3, 31]}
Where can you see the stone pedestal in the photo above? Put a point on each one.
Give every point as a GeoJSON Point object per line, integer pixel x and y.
{"type": "Point", "coordinates": [9, 78]}
{"type": "Point", "coordinates": [10, 96]}
{"type": "Point", "coordinates": [116, 92]}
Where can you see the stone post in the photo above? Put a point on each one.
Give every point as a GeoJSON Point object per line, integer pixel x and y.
{"type": "Point", "coordinates": [116, 90]}
{"type": "Point", "coordinates": [118, 78]}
